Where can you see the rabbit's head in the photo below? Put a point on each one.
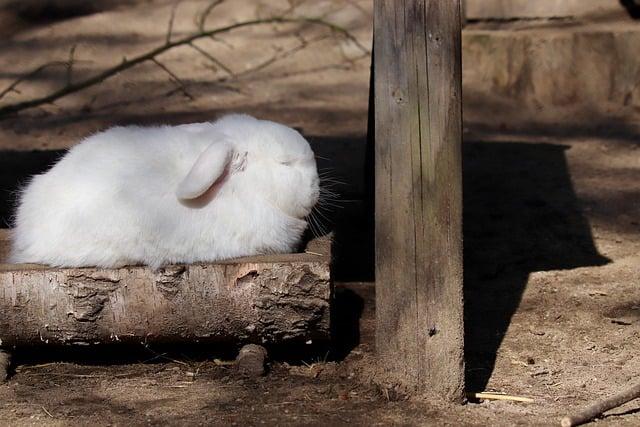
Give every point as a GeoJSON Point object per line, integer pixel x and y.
{"type": "Point", "coordinates": [270, 160]}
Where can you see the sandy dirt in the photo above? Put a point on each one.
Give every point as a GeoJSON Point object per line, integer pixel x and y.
{"type": "Point", "coordinates": [551, 225]}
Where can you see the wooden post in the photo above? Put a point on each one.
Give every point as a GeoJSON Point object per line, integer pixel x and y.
{"type": "Point", "coordinates": [419, 333]}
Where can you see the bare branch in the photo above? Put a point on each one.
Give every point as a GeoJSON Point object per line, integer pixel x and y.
{"type": "Point", "coordinates": [153, 53]}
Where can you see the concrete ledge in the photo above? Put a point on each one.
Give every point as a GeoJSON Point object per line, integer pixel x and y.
{"type": "Point", "coordinates": [574, 75]}
{"type": "Point", "coordinates": [518, 9]}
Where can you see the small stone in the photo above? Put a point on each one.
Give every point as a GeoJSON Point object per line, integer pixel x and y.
{"type": "Point", "coordinates": [251, 359]}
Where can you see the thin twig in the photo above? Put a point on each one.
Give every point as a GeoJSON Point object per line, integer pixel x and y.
{"type": "Point", "coordinates": [174, 78]}
{"type": "Point", "coordinates": [172, 17]}
{"type": "Point", "coordinates": [151, 54]}
{"type": "Point", "coordinates": [279, 55]}
{"type": "Point", "coordinates": [220, 362]}
{"type": "Point", "coordinates": [162, 356]}
{"type": "Point", "coordinates": [45, 410]}
{"type": "Point", "coordinates": [69, 64]}
{"type": "Point", "coordinates": [82, 376]}
{"type": "Point", "coordinates": [211, 58]}
{"type": "Point", "coordinates": [202, 21]}
{"type": "Point", "coordinates": [29, 75]}
{"type": "Point", "coordinates": [598, 408]}
{"type": "Point", "coordinates": [293, 5]}
{"type": "Point", "coordinates": [339, 30]}
{"type": "Point", "coordinates": [42, 365]}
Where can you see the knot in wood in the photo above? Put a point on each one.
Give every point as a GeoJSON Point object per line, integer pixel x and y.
{"type": "Point", "coordinates": [89, 294]}
{"type": "Point", "coordinates": [247, 280]}
{"type": "Point", "coordinates": [399, 97]}
{"type": "Point", "coordinates": [169, 280]}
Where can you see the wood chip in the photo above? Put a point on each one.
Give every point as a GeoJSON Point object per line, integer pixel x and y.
{"type": "Point", "coordinates": [623, 322]}
{"type": "Point", "coordinates": [499, 396]}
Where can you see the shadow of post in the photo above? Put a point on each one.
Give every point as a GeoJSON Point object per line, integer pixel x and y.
{"type": "Point", "coordinates": [521, 215]}
{"type": "Point", "coordinates": [343, 159]}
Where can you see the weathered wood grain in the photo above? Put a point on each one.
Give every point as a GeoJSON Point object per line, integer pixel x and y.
{"type": "Point", "coordinates": [265, 299]}
{"type": "Point", "coordinates": [419, 306]}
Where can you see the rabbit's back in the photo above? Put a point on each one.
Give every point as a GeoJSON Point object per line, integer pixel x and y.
{"type": "Point", "coordinates": [119, 197]}
{"type": "Point", "coordinates": [94, 205]}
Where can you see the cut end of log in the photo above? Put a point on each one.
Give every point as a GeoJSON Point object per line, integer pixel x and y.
{"type": "Point", "coordinates": [566, 422]}
{"type": "Point", "coordinates": [5, 362]}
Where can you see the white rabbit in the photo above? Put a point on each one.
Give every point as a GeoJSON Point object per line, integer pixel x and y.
{"type": "Point", "coordinates": [170, 194]}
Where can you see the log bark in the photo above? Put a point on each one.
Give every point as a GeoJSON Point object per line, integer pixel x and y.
{"type": "Point", "coordinates": [263, 299]}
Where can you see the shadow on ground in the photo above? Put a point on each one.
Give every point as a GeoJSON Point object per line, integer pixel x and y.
{"type": "Point", "coordinates": [521, 215]}
{"type": "Point", "coordinates": [19, 15]}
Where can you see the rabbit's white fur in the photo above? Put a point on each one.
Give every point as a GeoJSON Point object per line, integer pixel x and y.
{"type": "Point", "coordinates": [170, 194]}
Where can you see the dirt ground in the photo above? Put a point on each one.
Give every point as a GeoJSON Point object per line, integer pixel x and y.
{"type": "Point", "coordinates": [551, 226]}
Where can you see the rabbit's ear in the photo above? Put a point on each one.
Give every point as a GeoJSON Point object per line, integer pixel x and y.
{"type": "Point", "coordinates": [207, 169]}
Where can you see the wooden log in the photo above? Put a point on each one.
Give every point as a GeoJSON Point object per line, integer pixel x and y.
{"type": "Point", "coordinates": [419, 300]}
{"type": "Point", "coordinates": [262, 299]}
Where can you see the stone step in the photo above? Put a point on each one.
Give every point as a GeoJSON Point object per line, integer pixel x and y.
{"type": "Point", "coordinates": [527, 9]}
{"type": "Point", "coordinates": [561, 73]}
